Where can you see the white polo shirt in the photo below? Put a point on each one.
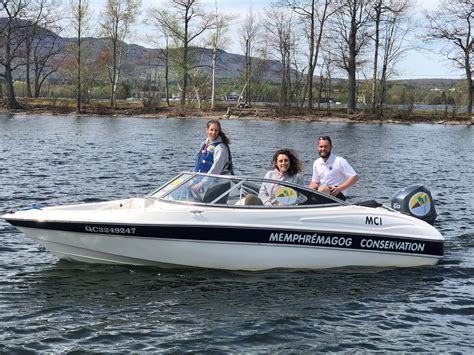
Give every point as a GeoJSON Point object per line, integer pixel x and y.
{"type": "Point", "coordinates": [332, 172]}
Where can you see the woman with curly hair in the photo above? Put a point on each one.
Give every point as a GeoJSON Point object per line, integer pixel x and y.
{"type": "Point", "coordinates": [287, 167]}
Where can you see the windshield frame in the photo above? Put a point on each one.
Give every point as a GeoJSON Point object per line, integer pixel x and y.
{"type": "Point", "coordinates": [238, 182]}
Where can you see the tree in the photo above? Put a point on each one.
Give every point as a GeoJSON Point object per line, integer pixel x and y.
{"type": "Point", "coordinates": [93, 69]}
{"type": "Point", "coordinates": [350, 23]}
{"type": "Point", "coordinates": [248, 39]}
{"type": "Point", "coordinates": [80, 13]}
{"type": "Point", "coordinates": [153, 89]}
{"type": "Point", "coordinates": [378, 10]}
{"type": "Point", "coordinates": [12, 36]}
{"type": "Point", "coordinates": [199, 80]}
{"type": "Point", "coordinates": [394, 32]}
{"type": "Point", "coordinates": [326, 80]}
{"type": "Point", "coordinates": [453, 24]}
{"type": "Point", "coordinates": [162, 43]}
{"type": "Point", "coordinates": [389, 35]}
{"type": "Point", "coordinates": [117, 18]}
{"type": "Point", "coordinates": [279, 25]}
{"type": "Point", "coordinates": [185, 21]}
{"type": "Point", "coordinates": [23, 35]}
{"type": "Point", "coordinates": [314, 18]}
{"type": "Point", "coordinates": [48, 55]}
{"type": "Point", "coordinates": [217, 41]}
{"type": "Point", "coordinates": [44, 50]}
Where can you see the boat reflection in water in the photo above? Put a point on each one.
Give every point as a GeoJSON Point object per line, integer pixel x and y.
{"type": "Point", "coordinates": [224, 225]}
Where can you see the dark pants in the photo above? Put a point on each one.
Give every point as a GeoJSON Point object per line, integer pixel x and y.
{"type": "Point", "coordinates": [341, 196]}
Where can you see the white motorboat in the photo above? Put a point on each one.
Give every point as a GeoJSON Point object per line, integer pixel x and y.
{"type": "Point", "coordinates": [224, 225]}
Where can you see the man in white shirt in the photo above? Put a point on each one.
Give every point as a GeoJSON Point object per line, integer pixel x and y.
{"type": "Point", "coordinates": [332, 174]}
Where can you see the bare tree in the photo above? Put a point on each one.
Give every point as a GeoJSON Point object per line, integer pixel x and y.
{"type": "Point", "coordinates": [248, 40]}
{"type": "Point", "coordinates": [279, 25]}
{"type": "Point", "coordinates": [314, 16]}
{"type": "Point", "coordinates": [395, 28]}
{"type": "Point", "coordinates": [40, 17]}
{"type": "Point", "coordinates": [44, 51]}
{"type": "Point", "coordinates": [377, 18]}
{"type": "Point", "coordinates": [151, 98]}
{"type": "Point", "coordinates": [217, 41]}
{"type": "Point", "coordinates": [351, 23]}
{"type": "Point", "coordinates": [93, 69]}
{"type": "Point", "coordinates": [117, 18]}
{"type": "Point", "coordinates": [166, 60]}
{"type": "Point", "coordinates": [12, 36]}
{"type": "Point", "coordinates": [47, 56]}
{"type": "Point", "coordinates": [326, 79]}
{"type": "Point", "coordinates": [387, 16]}
{"type": "Point", "coordinates": [162, 42]}
{"type": "Point", "coordinates": [44, 67]}
{"type": "Point", "coordinates": [80, 13]}
{"type": "Point", "coordinates": [453, 24]}
{"type": "Point", "coordinates": [199, 80]}
{"type": "Point", "coordinates": [185, 21]}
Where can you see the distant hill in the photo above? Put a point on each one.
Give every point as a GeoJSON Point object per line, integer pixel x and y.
{"type": "Point", "coordinates": [428, 83]}
{"type": "Point", "coordinates": [140, 60]}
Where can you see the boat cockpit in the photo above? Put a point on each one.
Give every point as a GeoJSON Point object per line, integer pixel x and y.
{"type": "Point", "coordinates": [237, 191]}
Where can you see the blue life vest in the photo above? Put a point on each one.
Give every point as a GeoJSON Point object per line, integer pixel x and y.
{"type": "Point", "coordinates": [205, 159]}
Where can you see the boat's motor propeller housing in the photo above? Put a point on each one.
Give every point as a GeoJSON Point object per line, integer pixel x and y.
{"type": "Point", "coordinates": [415, 201]}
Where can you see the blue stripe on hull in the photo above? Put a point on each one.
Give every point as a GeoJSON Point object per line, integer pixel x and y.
{"type": "Point", "coordinates": [320, 239]}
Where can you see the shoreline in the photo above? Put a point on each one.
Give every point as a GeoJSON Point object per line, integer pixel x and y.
{"type": "Point", "coordinates": [238, 114]}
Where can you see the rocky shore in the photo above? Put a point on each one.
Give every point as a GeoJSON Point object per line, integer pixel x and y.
{"type": "Point", "coordinates": [259, 113]}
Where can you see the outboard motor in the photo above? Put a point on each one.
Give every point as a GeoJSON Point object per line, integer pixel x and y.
{"type": "Point", "coordinates": [415, 201]}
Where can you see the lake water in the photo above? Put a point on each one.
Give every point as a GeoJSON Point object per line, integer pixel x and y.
{"type": "Point", "coordinates": [57, 307]}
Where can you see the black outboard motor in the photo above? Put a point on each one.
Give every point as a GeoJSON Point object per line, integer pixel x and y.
{"type": "Point", "coordinates": [415, 201]}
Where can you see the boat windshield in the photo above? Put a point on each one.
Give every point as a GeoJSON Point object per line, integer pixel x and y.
{"type": "Point", "coordinates": [238, 191]}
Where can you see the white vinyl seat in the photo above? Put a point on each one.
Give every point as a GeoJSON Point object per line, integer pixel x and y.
{"type": "Point", "coordinates": [250, 200]}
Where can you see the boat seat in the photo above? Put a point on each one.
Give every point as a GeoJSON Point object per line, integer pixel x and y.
{"type": "Point", "coordinates": [215, 191]}
{"type": "Point", "coordinates": [369, 203]}
{"type": "Point", "coordinates": [252, 200]}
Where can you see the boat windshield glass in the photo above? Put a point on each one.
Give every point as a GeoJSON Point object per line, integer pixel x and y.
{"type": "Point", "coordinates": [239, 191]}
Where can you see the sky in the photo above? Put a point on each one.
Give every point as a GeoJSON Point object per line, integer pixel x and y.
{"type": "Point", "coordinates": [418, 63]}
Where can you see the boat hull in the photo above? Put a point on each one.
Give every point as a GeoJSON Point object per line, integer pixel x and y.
{"type": "Point", "coordinates": [229, 248]}
{"type": "Point", "coordinates": [153, 231]}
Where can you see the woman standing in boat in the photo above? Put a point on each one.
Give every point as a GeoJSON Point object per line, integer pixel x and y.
{"type": "Point", "coordinates": [214, 155]}
{"type": "Point", "coordinates": [287, 168]}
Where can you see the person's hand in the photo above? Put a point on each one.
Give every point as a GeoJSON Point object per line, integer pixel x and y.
{"type": "Point", "coordinates": [334, 190]}
{"type": "Point", "coordinates": [275, 202]}
{"type": "Point", "coordinates": [196, 187]}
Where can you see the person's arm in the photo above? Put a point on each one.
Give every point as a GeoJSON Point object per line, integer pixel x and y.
{"type": "Point", "coordinates": [263, 194]}
{"type": "Point", "coordinates": [221, 157]}
{"type": "Point", "coordinates": [265, 189]}
{"type": "Point", "coordinates": [335, 190]}
{"type": "Point", "coordinates": [349, 173]}
{"type": "Point", "coordinates": [314, 183]}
